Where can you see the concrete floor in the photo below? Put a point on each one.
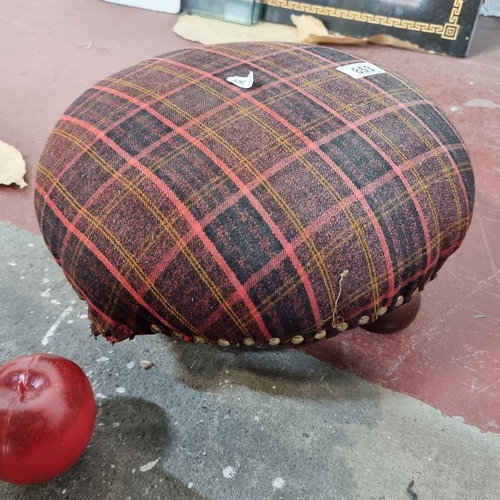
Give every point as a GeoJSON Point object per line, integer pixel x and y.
{"type": "Point", "coordinates": [282, 424]}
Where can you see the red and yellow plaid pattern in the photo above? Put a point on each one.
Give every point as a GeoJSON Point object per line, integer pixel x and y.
{"type": "Point", "coordinates": [175, 201]}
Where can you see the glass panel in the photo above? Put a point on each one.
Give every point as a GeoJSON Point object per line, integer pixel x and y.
{"type": "Point", "coordinates": [235, 11]}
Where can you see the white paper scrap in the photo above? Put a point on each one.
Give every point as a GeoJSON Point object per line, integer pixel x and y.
{"type": "Point", "coordinates": [245, 82]}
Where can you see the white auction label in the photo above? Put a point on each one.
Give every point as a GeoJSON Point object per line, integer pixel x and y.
{"type": "Point", "coordinates": [360, 70]}
{"type": "Point", "coordinates": [245, 82]}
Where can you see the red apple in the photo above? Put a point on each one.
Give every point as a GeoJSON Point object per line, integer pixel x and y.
{"type": "Point", "coordinates": [47, 416]}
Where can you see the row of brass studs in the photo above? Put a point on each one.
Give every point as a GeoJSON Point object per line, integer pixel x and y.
{"type": "Point", "coordinates": [366, 319]}
{"type": "Point", "coordinates": [298, 339]}
{"type": "Point", "coordinates": [156, 329]}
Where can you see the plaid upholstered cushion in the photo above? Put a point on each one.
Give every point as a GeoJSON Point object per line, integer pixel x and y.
{"type": "Point", "coordinates": [177, 202]}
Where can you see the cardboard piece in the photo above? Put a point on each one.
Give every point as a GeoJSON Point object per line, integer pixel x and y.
{"type": "Point", "coordinates": [306, 29]}
{"type": "Point", "coordinates": [312, 30]}
{"type": "Point", "coordinates": [210, 31]}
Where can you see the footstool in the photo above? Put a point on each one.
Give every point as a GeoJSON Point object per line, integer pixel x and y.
{"type": "Point", "coordinates": [255, 194]}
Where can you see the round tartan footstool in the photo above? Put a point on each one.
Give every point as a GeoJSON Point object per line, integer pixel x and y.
{"type": "Point", "coordinates": [251, 194]}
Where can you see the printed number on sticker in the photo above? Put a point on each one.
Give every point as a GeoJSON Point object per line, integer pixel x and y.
{"type": "Point", "coordinates": [361, 70]}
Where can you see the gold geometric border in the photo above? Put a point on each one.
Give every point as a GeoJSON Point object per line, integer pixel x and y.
{"type": "Point", "coordinates": [448, 31]}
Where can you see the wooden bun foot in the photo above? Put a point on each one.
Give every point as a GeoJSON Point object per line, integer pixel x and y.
{"type": "Point", "coordinates": [397, 320]}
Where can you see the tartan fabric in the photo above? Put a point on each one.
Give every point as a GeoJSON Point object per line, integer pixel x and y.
{"type": "Point", "coordinates": [175, 201]}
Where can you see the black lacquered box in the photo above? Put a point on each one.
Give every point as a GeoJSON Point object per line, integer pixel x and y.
{"type": "Point", "coordinates": [442, 26]}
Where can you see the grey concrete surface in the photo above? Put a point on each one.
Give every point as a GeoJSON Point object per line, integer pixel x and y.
{"type": "Point", "coordinates": [211, 424]}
